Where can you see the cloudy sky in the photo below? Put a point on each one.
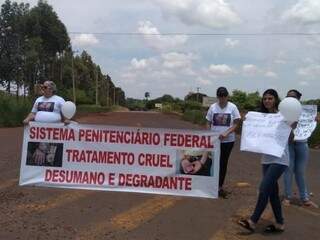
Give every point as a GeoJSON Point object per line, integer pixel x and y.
{"type": "Point", "coordinates": [228, 43]}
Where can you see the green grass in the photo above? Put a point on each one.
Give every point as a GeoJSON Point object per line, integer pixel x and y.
{"type": "Point", "coordinates": [92, 109]}
{"type": "Point", "coordinates": [13, 110]}
{"type": "Point", "coordinates": [314, 140]}
{"type": "Point", "coordinates": [194, 116]}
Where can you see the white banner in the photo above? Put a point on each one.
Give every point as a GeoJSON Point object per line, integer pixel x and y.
{"type": "Point", "coordinates": [264, 133]}
{"type": "Point", "coordinates": [307, 122]}
{"type": "Point", "coordinates": [113, 158]}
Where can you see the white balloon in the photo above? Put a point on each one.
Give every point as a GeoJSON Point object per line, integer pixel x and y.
{"type": "Point", "coordinates": [47, 117]}
{"type": "Point", "coordinates": [290, 108]}
{"type": "Point", "coordinates": [68, 109]}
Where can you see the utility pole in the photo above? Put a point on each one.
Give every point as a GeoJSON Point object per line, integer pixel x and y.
{"type": "Point", "coordinates": [96, 76]}
{"type": "Point", "coordinates": [107, 91]}
{"type": "Point", "coordinates": [73, 79]}
{"type": "Point", "coordinates": [198, 88]}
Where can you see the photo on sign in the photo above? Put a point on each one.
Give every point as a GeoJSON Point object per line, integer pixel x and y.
{"type": "Point", "coordinates": [221, 119]}
{"type": "Point", "coordinates": [44, 154]}
{"type": "Point", "coordinates": [46, 106]}
{"type": "Point", "coordinates": [195, 162]}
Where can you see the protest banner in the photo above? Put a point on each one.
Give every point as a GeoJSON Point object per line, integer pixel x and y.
{"type": "Point", "coordinates": [264, 133]}
{"type": "Point", "coordinates": [113, 158]}
{"type": "Point", "coordinates": [307, 122]}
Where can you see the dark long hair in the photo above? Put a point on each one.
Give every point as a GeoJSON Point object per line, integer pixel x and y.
{"type": "Point", "coordinates": [296, 92]}
{"type": "Point", "coordinates": [276, 97]}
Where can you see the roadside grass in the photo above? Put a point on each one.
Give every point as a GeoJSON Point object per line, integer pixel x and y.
{"type": "Point", "coordinates": [13, 110]}
{"type": "Point", "coordinates": [92, 109]}
{"type": "Point", "coordinates": [194, 116]}
{"type": "Point", "coordinates": [314, 140]}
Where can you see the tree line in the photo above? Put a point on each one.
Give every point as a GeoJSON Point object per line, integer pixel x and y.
{"type": "Point", "coordinates": [35, 46]}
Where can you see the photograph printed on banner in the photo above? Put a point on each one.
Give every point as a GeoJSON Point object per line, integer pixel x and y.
{"type": "Point", "coordinates": [221, 119]}
{"type": "Point", "coordinates": [195, 162]}
{"type": "Point", "coordinates": [44, 154]}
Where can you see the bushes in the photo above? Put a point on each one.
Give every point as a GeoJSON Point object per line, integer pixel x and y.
{"type": "Point", "coordinates": [194, 116]}
{"type": "Point", "coordinates": [13, 110]}
{"type": "Point", "coordinates": [92, 109]}
{"type": "Point", "coordinates": [314, 140]}
{"type": "Point", "coordinates": [136, 104]}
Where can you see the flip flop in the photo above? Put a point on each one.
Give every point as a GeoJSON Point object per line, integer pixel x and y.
{"type": "Point", "coordinates": [309, 203]}
{"type": "Point", "coordinates": [245, 224]}
{"type": "Point", "coordinates": [273, 229]}
{"type": "Point", "coordinates": [223, 194]}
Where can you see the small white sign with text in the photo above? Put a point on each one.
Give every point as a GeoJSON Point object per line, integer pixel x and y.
{"type": "Point", "coordinates": [264, 133]}
{"type": "Point", "coordinates": [307, 123]}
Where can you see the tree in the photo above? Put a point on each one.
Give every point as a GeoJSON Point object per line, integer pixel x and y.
{"type": "Point", "coordinates": [239, 98]}
{"type": "Point", "coordinates": [35, 46]}
{"type": "Point", "coordinates": [252, 101]}
{"type": "Point", "coordinates": [12, 43]}
{"type": "Point", "coordinates": [147, 95]}
{"type": "Point", "coordinates": [43, 23]}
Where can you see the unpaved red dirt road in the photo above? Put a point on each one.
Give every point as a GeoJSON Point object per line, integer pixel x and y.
{"type": "Point", "coordinates": [50, 214]}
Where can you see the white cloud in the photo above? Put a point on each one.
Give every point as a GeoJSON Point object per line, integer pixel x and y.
{"type": "Point", "coordinates": [208, 13]}
{"type": "Point", "coordinates": [250, 69]}
{"type": "Point", "coordinates": [280, 61]}
{"type": "Point", "coordinates": [177, 60]}
{"type": "Point", "coordinates": [305, 11]}
{"type": "Point", "coordinates": [308, 60]}
{"type": "Point", "coordinates": [313, 41]}
{"type": "Point", "coordinates": [203, 81]}
{"type": "Point", "coordinates": [155, 40]}
{"type": "Point", "coordinates": [230, 43]}
{"type": "Point", "coordinates": [83, 40]}
{"type": "Point", "coordinates": [165, 67]}
{"type": "Point", "coordinates": [142, 63]}
{"type": "Point", "coordinates": [304, 83]}
{"type": "Point", "coordinates": [271, 74]}
{"type": "Point", "coordinates": [312, 70]}
{"type": "Point", "coordinates": [220, 70]}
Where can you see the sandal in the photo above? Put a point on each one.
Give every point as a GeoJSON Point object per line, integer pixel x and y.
{"type": "Point", "coordinates": [286, 202]}
{"type": "Point", "coordinates": [245, 224]}
{"type": "Point", "coordinates": [223, 194]}
{"type": "Point", "coordinates": [273, 229]}
{"type": "Point", "coordinates": [307, 203]}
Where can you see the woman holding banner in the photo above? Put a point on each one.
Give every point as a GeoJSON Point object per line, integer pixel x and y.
{"type": "Point", "coordinates": [272, 168]}
{"type": "Point", "coordinates": [299, 154]}
{"type": "Point", "coordinates": [47, 109]}
{"type": "Point", "coordinates": [223, 118]}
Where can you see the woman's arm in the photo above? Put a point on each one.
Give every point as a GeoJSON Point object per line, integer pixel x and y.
{"type": "Point", "coordinates": [29, 118]}
{"type": "Point", "coordinates": [236, 123]}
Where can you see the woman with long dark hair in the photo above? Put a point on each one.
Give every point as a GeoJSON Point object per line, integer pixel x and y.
{"type": "Point", "coordinates": [272, 168]}
{"type": "Point", "coordinates": [299, 155]}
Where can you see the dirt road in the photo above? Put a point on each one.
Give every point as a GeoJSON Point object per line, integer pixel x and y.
{"type": "Point", "coordinates": [48, 213]}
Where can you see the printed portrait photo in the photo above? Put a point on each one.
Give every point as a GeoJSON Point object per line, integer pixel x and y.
{"type": "Point", "coordinates": [45, 154]}
{"type": "Point", "coordinates": [195, 162]}
{"type": "Point", "coordinates": [46, 106]}
{"type": "Point", "coordinates": [221, 119]}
